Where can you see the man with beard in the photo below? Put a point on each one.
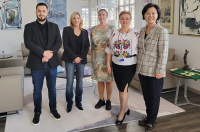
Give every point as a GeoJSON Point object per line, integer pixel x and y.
{"type": "Point", "coordinates": [43, 40]}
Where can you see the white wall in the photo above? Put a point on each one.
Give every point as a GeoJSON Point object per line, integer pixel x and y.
{"type": "Point", "coordinates": [10, 40]}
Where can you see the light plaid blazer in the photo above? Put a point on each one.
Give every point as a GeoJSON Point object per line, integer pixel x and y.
{"type": "Point", "coordinates": [152, 51]}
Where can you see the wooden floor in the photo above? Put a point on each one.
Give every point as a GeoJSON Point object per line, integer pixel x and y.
{"type": "Point", "coordinates": [188, 121]}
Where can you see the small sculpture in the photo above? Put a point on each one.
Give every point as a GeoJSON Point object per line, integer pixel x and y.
{"type": "Point", "coordinates": [186, 67]}
{"type": "Point", "coordinates": [3, 53]}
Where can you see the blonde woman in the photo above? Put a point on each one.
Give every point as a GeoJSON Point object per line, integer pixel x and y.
{"type": "Point", "coordinates": [76, 46]}
{"type": "Point", "coordinates": [122, 50]}
{"type": "Point", "coordinates": [99, 39]}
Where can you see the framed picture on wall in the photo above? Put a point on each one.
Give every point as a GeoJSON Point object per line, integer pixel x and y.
{"type": "Point", "coordinates": [144, 2]}
{"type": "Point", "coordinates": [189, 17]}
{"type": "Point", "coordinates": [167, 14]}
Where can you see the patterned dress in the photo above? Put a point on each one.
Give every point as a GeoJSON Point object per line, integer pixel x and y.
{"type": "Point", "coordinates": [99, 41]}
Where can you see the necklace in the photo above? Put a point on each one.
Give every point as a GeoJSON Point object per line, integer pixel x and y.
{"type": "Point", "coordinates": [123, 33]}
{"type": "Point", "coordinates": [126, 32]}
{"type": "Point", "coordinates": [77, 32]}
{"type": "Point", "coordinates": [103, 26]}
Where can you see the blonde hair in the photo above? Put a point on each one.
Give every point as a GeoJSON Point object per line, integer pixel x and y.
{"type": "Point", "coordinates": [125, 12]}
{"type": "Point", "coordinates": [71, 19]}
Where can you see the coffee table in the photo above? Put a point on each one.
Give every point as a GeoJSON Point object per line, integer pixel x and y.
{"type": "Point", "coordinates": [185, 89]}
{"type": "Point", "coordinates": [5, 56]}
{"type": "Point", "coordinates": [86, 74]}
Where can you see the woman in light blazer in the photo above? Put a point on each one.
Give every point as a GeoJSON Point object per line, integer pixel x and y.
{"type": "Point", "coordinates": [76, 46]}
{"type": "Point", "coordinates": [151, 62]}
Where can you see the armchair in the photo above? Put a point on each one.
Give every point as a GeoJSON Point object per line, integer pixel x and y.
{"type": "Point", "coordinates": [169, 81]}
{"type": "Point", "coordinates": [23, 53]}
{"type": "Point", "coordinates": [12, 84]}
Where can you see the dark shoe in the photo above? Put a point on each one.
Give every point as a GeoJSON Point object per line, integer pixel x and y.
{"type": "Point", "coordinates": [55, 114]}
{"type": "Point", "coordinates": [36, 119]}
{"type": "Point", "coordinates": [127, 112]}
{"type": "Point", "coordinates": [149, 128]}
{"type": "Point", "coordinates": [80, 107]}
{"type": "Point", "coordinates": [108, 105]}
{"type": "Point", "coordinates": [100, 103]}
{"type": "Point", "coordinates": [68, 110]}
{"type": "Point", "coordinates": [144, 121]}
{"type": "Point", "coordinates": [117, 122]}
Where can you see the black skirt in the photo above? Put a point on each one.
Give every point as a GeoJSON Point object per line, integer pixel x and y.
{"type": "Point", "coordinates": [123, 75]}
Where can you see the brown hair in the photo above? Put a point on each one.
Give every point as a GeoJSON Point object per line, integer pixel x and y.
{"type": "Point", "coordinates": [125, 12]}
{"type": "Point", "coordinates": [71, 19]}
{"type": "Point", "coordinates": [103, 10]}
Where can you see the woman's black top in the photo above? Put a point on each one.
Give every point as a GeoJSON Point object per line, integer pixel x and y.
{"type": "Point", "coordinates": [78, 44]}
{"type": "Point", "coordinates": [145, 35]}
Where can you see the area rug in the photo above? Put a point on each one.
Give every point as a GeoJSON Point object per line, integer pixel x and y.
{"type": "Point", "coordinates": [77, 120]}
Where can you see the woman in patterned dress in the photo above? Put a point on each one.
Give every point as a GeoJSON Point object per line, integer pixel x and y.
{"type": "Point", "coordinates": [99, 40]}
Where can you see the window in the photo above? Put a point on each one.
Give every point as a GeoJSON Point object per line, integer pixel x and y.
{"type": "Point", "coordinates": [111, 6]}
{"type": "Point", "coordinates": [128, 5]}
{"type": "Point", "coordinates": [91, 7]}
{"type": "Point", "coordinates": [89, 13]}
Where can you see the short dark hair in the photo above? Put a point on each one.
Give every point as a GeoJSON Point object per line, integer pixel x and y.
{"type": "Point", "coordinates": [146, 7]}
{"type": "Point", "coordinates": [41, 4]}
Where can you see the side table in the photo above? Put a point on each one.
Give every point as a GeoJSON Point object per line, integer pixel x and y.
{"type": "Point", "coordinates": [185, 89]}
{"type": "Point", "coordinates": [5, 56]}
{"type": "Point", "coordinates": [86, 74]}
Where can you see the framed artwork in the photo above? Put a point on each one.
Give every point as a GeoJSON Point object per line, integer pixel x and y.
{"type": "Point", "coordinates": [189, 17]}
{"type": "Point", "coordinates": [144, 2]}
{"type": "Point", "coordinates": [167, 14]}
{"type": "Point", "coordinates": [57, 12]}
{"type": "Point", "coordinates": [10, 14]}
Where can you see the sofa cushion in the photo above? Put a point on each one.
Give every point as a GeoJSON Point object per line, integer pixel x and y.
{"type": "Point", "coordinates": [136, 77]}
{"type": "Point", "coordinates": [89, 52]}
{"type": "Point", "coordinates": [88, 59]}
{"type": "Point", "coordinates": [171, 54]}
{"type": "Point", "coordinates": [25, 51]}
{"type": "Point", "coordinates": [25, 61]}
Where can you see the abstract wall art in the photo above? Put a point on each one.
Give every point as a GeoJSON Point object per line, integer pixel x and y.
{"type": "Point", "coordinates": [10, 14]}
{"type": "Point", "coordinates": [57, 12]}
{"type": "Point", "coordinates": [189, 17]}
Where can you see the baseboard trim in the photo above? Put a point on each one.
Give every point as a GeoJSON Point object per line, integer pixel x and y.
{"type": "Point", "coordinates": [193, 90]}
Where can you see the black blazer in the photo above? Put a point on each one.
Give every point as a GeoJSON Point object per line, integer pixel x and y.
{"type": "Point", "coordinates": [34, 42]}
{"type": "Point", "coordinates": [69, 44]}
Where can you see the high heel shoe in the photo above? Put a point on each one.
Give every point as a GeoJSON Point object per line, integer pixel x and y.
{"type": "Point", "coordinates": [127, 112]}
{"type": "Point", "coordinates": [117, 122]}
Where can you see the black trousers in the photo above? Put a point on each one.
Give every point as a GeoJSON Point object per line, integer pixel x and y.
{"type": "Point", "coordinates": [151, 89]}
